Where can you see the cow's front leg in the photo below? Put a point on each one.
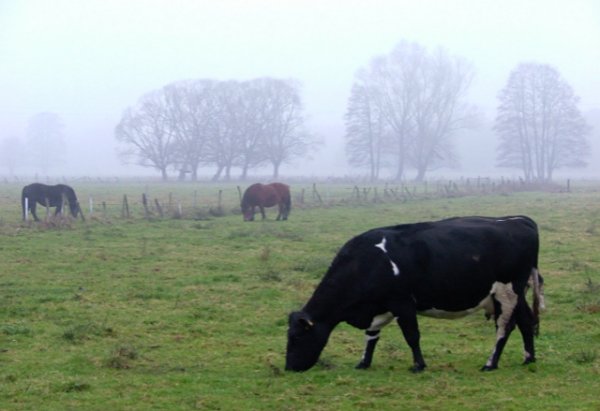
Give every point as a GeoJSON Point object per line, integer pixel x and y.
{"type": "Point", "coordinates": [407, 320]}
{"type": "Point", "coordinates": [371, 339]}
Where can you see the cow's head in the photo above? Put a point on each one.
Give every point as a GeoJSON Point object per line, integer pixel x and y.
{"type": "Point", "coordinates": [306, 340]}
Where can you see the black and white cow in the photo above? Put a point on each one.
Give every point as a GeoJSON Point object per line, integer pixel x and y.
{"type": "Point", "coordinates": [444, 269]}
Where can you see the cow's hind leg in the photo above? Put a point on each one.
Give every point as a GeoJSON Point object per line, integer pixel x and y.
{"type": "Point", "coordinates": [505, 302]}
{"type": "Point", "coordinates": [527, 325]}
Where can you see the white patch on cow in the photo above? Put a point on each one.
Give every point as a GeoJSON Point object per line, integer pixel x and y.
{"type": "Point", "coordinates": [487, 304]}
{"type": "Point", "coordinates": [500, 220]}
{"type": "Point", "coordinates": [395, 268]}
{"type": "Point", "coordinates": [506, 296]}
{"type": "Point", "coordinates": [380, 321]}
{"type": "Point", "coordinates": [382, 245]}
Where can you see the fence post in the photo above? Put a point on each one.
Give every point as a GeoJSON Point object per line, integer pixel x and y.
{"type": "Point", "coordinates": [91, 202]}
{"type": "Point", "coordinates": [158, 207]}
{"type": "Point", "coordinates": [145, 204]}
{"type": "Point", "coordinates": [125, 208]}
{"type": "Point", "coordinates": [26, 210]}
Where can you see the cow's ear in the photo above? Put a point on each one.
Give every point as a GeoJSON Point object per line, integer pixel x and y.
{"type": "Point", "coordinates": [305, 321]}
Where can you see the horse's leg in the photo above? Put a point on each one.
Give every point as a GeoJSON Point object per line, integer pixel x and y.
{"type": "Point", "coordinates": [280, 214]}
{"type": "Point", "coordinates": [32, 208]}
{"type": "Point", "coordinates": [262, 211]}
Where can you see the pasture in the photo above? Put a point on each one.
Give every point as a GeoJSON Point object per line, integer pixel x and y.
{"type": "Point", "coordinates": [190, 312]}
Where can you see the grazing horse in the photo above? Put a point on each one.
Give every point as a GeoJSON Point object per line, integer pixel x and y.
{"type": "Point", "coordinates": [49, 196]}
{"type": "Point", "coordinates": [266, 195]}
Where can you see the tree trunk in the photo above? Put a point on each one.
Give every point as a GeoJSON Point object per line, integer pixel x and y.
{"type": "Point", "coordinates": [218, 173]}
{"type": "Point", "coordinates": [276, 170]}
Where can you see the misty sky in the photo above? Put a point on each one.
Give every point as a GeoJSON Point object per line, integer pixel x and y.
{"type": "Point", "coordinates": [87, 60]}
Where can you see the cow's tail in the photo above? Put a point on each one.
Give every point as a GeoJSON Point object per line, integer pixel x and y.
{"type": "Point", "coordinates": [538, 298]}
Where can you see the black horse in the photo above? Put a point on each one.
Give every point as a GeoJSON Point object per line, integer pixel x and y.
{"type": "Point", "coordinates": [49, 196]}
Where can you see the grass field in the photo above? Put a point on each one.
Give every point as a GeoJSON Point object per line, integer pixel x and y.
{"type": "Point", "coordinates": [191, 313]}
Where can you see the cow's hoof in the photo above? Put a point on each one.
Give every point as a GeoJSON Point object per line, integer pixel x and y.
{"type": "Point", "coordinates": [489, 368]}
{"type": "Point", "coordinates": [362, 366]}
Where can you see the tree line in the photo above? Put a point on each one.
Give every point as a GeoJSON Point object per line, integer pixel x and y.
{"type": "Point", "coordinates": [224, 124]}
{"type": "Point", "coordinates": [405, 108]}
{"type": "Point", "coordinates": [404, 111]}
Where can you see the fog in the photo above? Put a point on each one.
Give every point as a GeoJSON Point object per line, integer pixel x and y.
{"type": "Point", "coordinates": [87, 61]}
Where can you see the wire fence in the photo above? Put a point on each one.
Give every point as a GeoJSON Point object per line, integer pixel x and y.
{"type": "Point", "coordinates": [178, 201]}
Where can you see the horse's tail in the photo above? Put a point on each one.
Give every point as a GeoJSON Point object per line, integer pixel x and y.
{"type": "Point", "coordinates": [23, 206]}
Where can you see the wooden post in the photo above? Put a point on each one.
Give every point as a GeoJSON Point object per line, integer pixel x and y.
{"type": "Point", "coordinates": [239, 193]}
{"type": "Point", "coordinates": [316, 193]}
{"type": "Point", "coordinates": [104, 209]}
{"type": "Point", "coordinates": [91, 203]}
{"type": "Point", "coordinates": [125, 208]}
{"type": "Point", "coordinates": [159, 208]}
{"type": "Point", "coordinates": [26, 210]}
{"type": "Point", "coordinates": [145, 204]}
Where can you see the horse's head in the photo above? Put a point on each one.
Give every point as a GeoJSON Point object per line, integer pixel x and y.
{"type": "Point", "coordinates": [247, 212]}
{"type": "Point", "coordinates": [74, 208]}
{"type": "Point", "coordinates": [73, 202]}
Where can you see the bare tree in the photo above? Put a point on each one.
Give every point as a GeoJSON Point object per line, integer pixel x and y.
{"type": "Point", "coordinates": [439, 110]}
{"type": "Point", "coordinates": [223, 145]}
{"type": "Point", "coordinates": [190, 110]}
{"type": "Point", "coordinates": [12, 153]}
{"type": "Point", "coordinates": [540, 127]}
{"type": "Point", "coordinates": [45, 135]}
{"type": "Point", "coordinates": [365, 127]}
{"type": "Point", "coordinates": [285, 137]}
{"type": "Point", "coordinates": [420, 97]}
{"type": "Point", "coordinates": [146, 133]}
{"type": "Point", "coordinates": [253, 123]}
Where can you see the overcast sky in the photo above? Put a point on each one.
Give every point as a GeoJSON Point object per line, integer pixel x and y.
{"type": "Point", "coordinates": [87, 60]}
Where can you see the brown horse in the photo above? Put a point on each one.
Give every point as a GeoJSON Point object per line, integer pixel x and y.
{"type": "Point", "coordinates": [266, 195]}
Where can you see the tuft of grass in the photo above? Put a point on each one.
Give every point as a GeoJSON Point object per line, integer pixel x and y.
{"type": "Point", "coordinates": [75, 386]}
{"type": "Point", "coordinates": [81, 332]}
{"type": "Point", "coordinates": [584, 357]}
{"type": "Point", "coordinates": [265, 254]}
{"type": "Point", "coordinates": [15, 329]}
{"type": "Point", "coordinates": [121, 356]}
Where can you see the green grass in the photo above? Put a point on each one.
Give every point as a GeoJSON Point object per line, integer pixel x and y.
{"type": "Point", "coordinates": [179, 314]}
